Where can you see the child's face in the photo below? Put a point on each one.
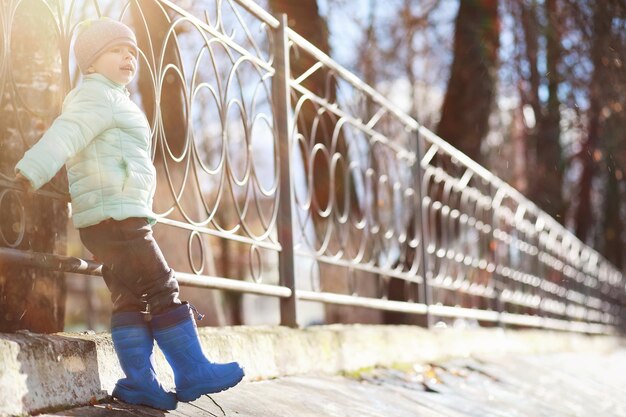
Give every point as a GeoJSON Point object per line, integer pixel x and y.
{"type": "Point", "coordinates": [118, 63]}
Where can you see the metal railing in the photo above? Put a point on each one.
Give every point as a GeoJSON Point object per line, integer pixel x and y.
{"type": "Point", "coordinates": [350, 194]}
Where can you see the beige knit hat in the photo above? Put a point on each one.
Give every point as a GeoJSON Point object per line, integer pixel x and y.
{"type": "Point", "coordinates": [96, 35]}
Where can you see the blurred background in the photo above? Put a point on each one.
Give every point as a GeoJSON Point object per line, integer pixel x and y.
{"type": "Point", "coordinates": [533, 90]}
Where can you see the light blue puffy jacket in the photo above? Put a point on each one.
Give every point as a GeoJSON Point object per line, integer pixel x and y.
{"type": "Point", "coordinates": [104, 140]}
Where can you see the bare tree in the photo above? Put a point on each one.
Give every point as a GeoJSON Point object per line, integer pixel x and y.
{"type": "Point", "coordinates": [304, 17]}
{"type": "Point", "coordinates": [606, 101]}
{"type": "Point", "coordinates": [32, 84]}
{"type": "Point", "coordinates": [470, 93]}
{"type": "Point", "coordinates": [603, 153]}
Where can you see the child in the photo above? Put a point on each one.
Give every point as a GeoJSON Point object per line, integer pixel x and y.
{"type": "Point", "coordinates": [104, 140]}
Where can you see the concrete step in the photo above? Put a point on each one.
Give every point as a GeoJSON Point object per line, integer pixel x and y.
{"type": "Point", "coordinates": [39, 373]}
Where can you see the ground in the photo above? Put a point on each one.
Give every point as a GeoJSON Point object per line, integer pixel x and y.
{"type": "Point", "coordinates": [550, 385]}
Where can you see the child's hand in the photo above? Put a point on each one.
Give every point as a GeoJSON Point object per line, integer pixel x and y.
{"type": "Point", "coordinates": [23, 182]}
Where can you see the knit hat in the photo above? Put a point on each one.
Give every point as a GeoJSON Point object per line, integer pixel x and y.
{"type": "Point", "coordinates": [96, 35]}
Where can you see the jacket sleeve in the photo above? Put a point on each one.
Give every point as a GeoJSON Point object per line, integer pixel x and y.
{"type": "Point", "coordinates": [86, 114]}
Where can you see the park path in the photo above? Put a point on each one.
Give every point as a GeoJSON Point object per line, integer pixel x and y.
{"type": "Point", "coordinates": [550, 385]}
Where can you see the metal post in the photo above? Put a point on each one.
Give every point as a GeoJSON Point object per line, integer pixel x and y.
{"type": "Point", "coordinates": [498, 279]}
{"type": "Point", "coordinates": [282, 108]}
{"type": "Point", "coordinates": [426, 294]}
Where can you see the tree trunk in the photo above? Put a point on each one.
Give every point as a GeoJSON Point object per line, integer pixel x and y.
{"type": "Point", "coordinates": [612, 241]}
{"type": "Point", "coordinates": [612, 225]}
{"type": "Point", "coordinates": [547, 175]}
{"type": "Point", "coordinates": [31, 299]}
{"type": "Point", "coordinates": [401, 290]}
{"type": "Point", "coordinates": [470, 92]}
{"type": "Point", "coordinates": [544, 157]}
{"type": "Point", "coordinates": [583, 217]}
{"type": "Point", "coordinates": [305, 19]}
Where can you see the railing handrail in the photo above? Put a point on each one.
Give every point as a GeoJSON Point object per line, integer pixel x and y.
{"type": "Point", "coordinates": [434, 138]}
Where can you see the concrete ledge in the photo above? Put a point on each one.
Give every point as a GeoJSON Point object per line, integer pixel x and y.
{"type": "Point", "coordinates": [44, 372]}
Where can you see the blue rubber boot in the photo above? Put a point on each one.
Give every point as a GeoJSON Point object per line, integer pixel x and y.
{"type": "Point", "coordinates": [177, 335]}
{"type": "Point", "coordinates": [132, 339]}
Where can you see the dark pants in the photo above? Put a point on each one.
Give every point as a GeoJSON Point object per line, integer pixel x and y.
{"type": "Point", "coordinates": [134, 268]}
